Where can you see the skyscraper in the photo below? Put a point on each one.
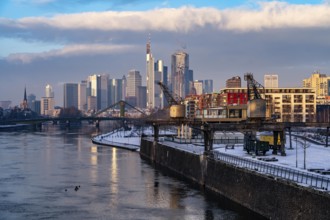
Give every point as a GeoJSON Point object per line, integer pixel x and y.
{"type": "Point", "coordinates": [49, 91]}
{"type": "Point", "coordinates": [47, 102]}
{"type": "Point", "coordinates": [97, 86]}
{"type": "Point", "coordinates": [115, 88]}
{"type": "Point", "coordinates": [271, 81]}
{"type": "Point", "coordinates": [150, 77]}
{"type": "Point", "coordinates": [208, 86]}
{"type": "Point", "coordinates": [198, 85]}
{"type": "Point", "coordinates": [82, 95]}
{"type": "Point", "coordinates": [180, 73]}
{"type": "Point", "coordinates": [134, 80]}
{"type": "Point", "coordinates": [70, 95]}
{"type": "Point", "coordinates": [160, 76]}
{"type": "Point", "coordinates": [30, 99]}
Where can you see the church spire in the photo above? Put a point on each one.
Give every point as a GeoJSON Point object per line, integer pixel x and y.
{"type": "Point", "coordinates": [25, 99]}
{"type": "Point", "coordinates": [24, 104]}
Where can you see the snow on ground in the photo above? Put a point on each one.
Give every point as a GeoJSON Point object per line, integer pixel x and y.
{"type": "Point", "coordinates": [317, 156]}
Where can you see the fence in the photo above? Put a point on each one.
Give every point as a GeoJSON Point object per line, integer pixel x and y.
{"type": "Point", "coordinates": [312, 180]}
{"type": "Point", "coordinates": [201, 140]}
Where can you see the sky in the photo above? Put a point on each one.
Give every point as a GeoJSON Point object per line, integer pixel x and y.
{"type": "Point", "coordinates": [64, 41]}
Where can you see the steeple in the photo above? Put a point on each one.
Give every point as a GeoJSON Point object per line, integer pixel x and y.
{"type": "Point", "coordinates": [24, 104]}
{"type": "Point", "coordinates": [25, 99]}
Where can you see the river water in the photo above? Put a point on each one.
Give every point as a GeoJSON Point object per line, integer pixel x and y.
{"type": "Point", "coordinates": [40, 170]}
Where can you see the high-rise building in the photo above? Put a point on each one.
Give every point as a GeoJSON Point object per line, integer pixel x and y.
{"type": "Point", "coordinates": [49, 91]}
{"type": "Point", "coordinates": [155, 72]}
{"type": "Point", "coordinates": [47, 106]}
{"type": "Point", "coordinates": [36, 106]}
{"type": "Point", "coordinates": [150, 77]}
{"type": "Point", "coordinates": [134, 80]}
{"type": "Point", "coordinates": [189, 83]}
{"type": "Point", "coordinates": [208, 86]}
{"type": "Point", "coordinates": [271, 81]}
{"type": "Point", "coordinates": [180, 74]}
{"type": "Point", "coordinates": [198, 84]}
{"type": "Point", "coordinates": [318, 81]}
{"type": "Point", "coordinates": [234, 82]}
{"type": "Point", "coordinates": [47, 103]}
{"type": "Point", "coordinates": [98, 87]}
{"type": "Point", "coordinates": [70, 95]}
{"type": "Point", "coordinates": [82, 95]}
{"type": "Point", "coordinates": [124, 85]}
{"type": "Point", "coordinates": [141, 98]}
{"type": "Point", "coordinates": [160, 76]}
{"type": "Point", "coordinates": [31, 97]}
{"type": "Point", "coordinates": [115, 91]}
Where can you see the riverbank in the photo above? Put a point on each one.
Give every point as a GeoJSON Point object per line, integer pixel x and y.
{"type": "Point", "coordinates": [273, 198]}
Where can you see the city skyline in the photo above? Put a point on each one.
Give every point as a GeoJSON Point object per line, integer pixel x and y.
{"type": "Point", "coordinates": [46, 42]}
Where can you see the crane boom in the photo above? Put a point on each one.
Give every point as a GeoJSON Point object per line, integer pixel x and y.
{"type": "Point", "coordinates": [172, 99]}
{"type": "Point", "coordinates": [253, 87]}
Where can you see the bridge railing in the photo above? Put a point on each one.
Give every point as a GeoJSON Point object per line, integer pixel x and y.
{"type": "Point", "coordinates": [296, 176]}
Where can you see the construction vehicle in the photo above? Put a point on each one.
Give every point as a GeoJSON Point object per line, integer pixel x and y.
{"type": "Point", "coordinates": [269, 137]}
{"type": "Point", "coordinates": [254, 145]}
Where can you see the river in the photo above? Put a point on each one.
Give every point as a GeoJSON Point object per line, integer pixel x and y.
{"type": "Point", "coordinates": [39, 172]}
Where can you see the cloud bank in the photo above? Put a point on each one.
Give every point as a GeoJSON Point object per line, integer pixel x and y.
{"type": "Point", "coordinates": [269, 15]}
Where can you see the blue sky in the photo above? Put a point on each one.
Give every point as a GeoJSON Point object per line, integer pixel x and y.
{"type": "Point", "coordinates": [58, 41]}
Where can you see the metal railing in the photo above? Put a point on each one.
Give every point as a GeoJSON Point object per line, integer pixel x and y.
{"type": "Point", "coordinates": [296, 176]}
{"type": "Point", "coordinates": [201, 140]}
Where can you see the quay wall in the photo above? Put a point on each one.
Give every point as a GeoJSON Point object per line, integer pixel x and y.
{"type": "Point", "coordinates": [265, 195]}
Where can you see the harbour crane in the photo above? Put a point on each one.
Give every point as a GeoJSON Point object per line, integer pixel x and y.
{"type": "Point", "coordinates": [175, 102]}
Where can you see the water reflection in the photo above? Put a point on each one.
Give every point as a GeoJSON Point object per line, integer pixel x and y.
{"type": "Point", "coordinates": [114, 178]}
{"type": "Point", "coordinates": [37, 182]}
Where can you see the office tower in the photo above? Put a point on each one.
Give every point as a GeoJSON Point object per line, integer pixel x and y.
{"type": "Point", "coordinates": [150, 78]}
{"type": "Point", "coordinates": [47, 106]}
{"type": "Point", "coordinates": [318, 81]}
{"type": "Point", "coordinates": [82, 95]}
{"type": "Point", "coordinates": [49, 91]}
{"type": "Point", "coordinates": [234, 82]}
{"type": "Point", "coordinates": [198, 85]}
{"type": "Point", "coordinates": [36, 106]}
{"type": "Point", "coordinates": [208, 86]}
{"type": "Point", "coordinates": [47, 102]}
{"type": "Point", "coordinates": [70, 95]}
{"type": "Point", "coordinates": [124, 85]}
{"type": "Point", "coordinates": [180, 74]}
{"type": "Point", "coordinates": [115, 88]}
{"type": "Point", "coordinates": [134, 80]}
{"type": "Point", "coordinates": [141, 101]}
{"type": "Point", "coordinates": [30, 99]}
{"type": "Point", "coordinates": [97, 86]}
{"type": "Point", "coordinates": [91, 103]}
{"type": "Point", "coordinates": [271, 81]}
{"type": "Point", "coordinates": [160, 76]}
